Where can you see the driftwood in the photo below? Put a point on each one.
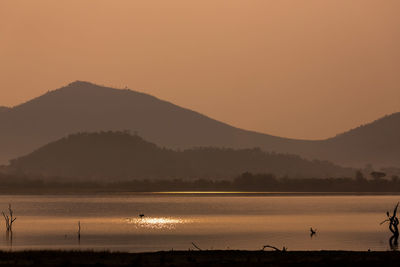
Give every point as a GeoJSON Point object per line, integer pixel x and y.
{"type": "Point", "coordinates": [393, 227]}
{"type": "Point", "coordinates": [275, 248]}
{"type": "Point", "coordinates": [9, 219]}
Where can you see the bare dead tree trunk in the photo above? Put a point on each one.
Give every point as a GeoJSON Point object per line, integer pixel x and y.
{"type": "Point", "coordinates": [393, 243]}
{"type": "Point", "coordinates": [393, 227]}
{"type": "Point", "coordinates": [9, 218]}
{"type": "Point", "coordinates": [79, 231]}
{"type": "Point", "coordinates": [9, 238]}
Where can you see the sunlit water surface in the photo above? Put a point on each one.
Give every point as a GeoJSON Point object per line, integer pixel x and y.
{"type": "Point", "coordinates": [211, 221]}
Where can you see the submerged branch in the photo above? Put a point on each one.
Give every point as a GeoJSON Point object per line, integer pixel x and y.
{"type": "Point", "coordinates": [275, 248]}
{"type": "Point", "coordinates": [194, 245]}
{"type": "Point", "coordinates": [387, 220]}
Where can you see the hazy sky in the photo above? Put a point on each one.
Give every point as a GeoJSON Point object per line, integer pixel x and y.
{"type": "Point", "coordinates": [302, 69]}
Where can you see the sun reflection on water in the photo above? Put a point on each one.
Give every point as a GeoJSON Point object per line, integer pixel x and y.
{"type": "Point", "coordinates": [156, 222]}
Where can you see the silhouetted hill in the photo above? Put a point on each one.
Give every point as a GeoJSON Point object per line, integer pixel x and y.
{"type": "Point", "coordinates": [119, 155]}
{"type": "Point", "coordinates": [377, 142]}
{"type": "Point", "coordinates": [85, 107]}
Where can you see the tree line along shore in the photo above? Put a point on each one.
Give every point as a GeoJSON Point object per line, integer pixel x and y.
{"type": "Point", "coordinates": [246, 182]}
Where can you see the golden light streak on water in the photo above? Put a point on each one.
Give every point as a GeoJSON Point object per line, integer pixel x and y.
{"type": "Point", "coordinates": [156, 222]}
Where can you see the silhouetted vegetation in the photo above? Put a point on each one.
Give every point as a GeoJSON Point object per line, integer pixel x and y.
{"type": "Point", "coordinates": [214, 258]}
{"type": "Point", "coordinates": [122, 156]}
{"type": "Point", "coordinates": [9, 218]}
{"type": "Point", "coordinates": [244, 182]}
{"type": "Point", "coordinates": [393, 227]}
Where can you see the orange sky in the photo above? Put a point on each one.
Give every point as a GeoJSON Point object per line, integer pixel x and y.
{"type": "Point", "coordinates": [302, 69]}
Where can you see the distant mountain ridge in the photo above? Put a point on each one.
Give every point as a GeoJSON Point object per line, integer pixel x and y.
{"type": "Point", "coordinates": [86, 107]}
{"type": "Point", "coordinates": [122, 156]}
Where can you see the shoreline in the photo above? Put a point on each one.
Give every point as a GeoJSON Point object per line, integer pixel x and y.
{"type": "Point", "coordinates": [194, 193]}
{"type": "Point", "coordinates": [198, 258]}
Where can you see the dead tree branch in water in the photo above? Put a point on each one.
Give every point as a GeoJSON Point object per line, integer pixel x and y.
{"type": "Point", "coordinates": [9, 219]}
{"type": "Point", "coordinates": [393, 227]}
{"type": "Point", "coordinates": [275, 248]}
{"type": "Point", "coordinates": [79, 231]}
{"type": "Point", "coordinates": [312, 232]}
{"type": "Point", "coordinates": [194, 245]}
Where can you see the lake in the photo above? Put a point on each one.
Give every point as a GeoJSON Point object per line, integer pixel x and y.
{"type": "Point", "coordinates": [173, 221]}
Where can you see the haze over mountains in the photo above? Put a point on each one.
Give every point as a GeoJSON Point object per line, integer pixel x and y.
{"type": "Point", "coordinates": [86, 107]}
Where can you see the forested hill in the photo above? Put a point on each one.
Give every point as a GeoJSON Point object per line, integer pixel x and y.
{"type": "Point", "coordinates": [121, 156]}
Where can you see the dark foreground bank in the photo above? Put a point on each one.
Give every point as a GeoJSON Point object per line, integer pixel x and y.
{"type": "Point", "coordinates": [199, 258]}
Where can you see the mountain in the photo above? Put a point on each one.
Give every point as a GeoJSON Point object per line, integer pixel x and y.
{"type": "Point", "coordinates": [377, 143]}
{"type": "Point", "coordinates": [122, 156]}
{"type": "Point", "coordinates": [86, 107]}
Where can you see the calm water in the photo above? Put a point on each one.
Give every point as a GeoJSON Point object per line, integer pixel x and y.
{"type": "Point", "coordinates": [212, 221]}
